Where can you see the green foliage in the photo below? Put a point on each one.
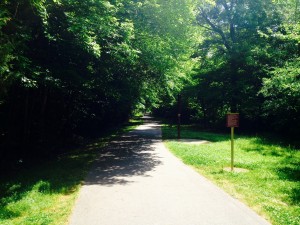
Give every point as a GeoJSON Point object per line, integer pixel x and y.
{"type": "Point", "coordinates": [70, 67]}
{"type": "Point", "coordinates": [248, 63]}
{"type": "Point", "coordinates": [282, 93]}
{"type": "Point", "coordinates": [281, 86]}
{"type": "Point", "coordinates": [231, 31]}
{"type": "Point", "coordinates": [165, 38]}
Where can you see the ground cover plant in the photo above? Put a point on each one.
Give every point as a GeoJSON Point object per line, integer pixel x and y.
{"type": "Point", "coordinates": [45, 193]}
{"type": "Point", "coordinates": [271, 185]}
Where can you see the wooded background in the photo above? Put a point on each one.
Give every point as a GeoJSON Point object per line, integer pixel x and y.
{"type": "Point", "coordinates": [70, 69]}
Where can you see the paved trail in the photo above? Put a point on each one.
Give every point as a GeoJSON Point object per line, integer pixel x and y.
{"type": "Point", "coordinates": [137, 181]}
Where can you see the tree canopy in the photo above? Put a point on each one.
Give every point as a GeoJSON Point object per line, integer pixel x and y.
{"type": "Point", "coordinates": [245, 48]}
{"type": "Point", "coordinates": [70, 68]}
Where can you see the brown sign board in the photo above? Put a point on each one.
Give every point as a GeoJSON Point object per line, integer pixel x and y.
{"type": "Point", "coordinates": [233, 120]}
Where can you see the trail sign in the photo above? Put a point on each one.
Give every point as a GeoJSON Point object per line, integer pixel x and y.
{"type": "Point", "coordinates": [233, 120]}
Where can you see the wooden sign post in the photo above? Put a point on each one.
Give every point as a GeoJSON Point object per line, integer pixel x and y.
{"type": "Point", "coordinates": [233, 120]}
{"type": "Point", "coordinates": [179, 116]}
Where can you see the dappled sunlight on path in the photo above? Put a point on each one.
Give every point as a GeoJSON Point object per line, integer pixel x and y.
{"type": "Point", "coordinates": [130, 155]}
{"type": "Point", "coordinates": [137, 181]}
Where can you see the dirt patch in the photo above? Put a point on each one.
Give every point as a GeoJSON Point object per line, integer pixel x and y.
{"type": "Point", "coordinates": [193, 141]}
{"type": "Point", "coordinates": [236, 170]}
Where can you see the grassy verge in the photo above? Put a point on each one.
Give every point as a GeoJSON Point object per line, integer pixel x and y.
{"type": "Point", "coordinates": [272, 184]}
{"type": "Point", "coordinates": [46, 193]}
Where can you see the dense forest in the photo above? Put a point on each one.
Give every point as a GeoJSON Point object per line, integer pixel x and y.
{"type": "Point", "coordinates": [71, 68]}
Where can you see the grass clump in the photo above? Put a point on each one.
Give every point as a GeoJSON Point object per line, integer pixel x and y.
{"type": "Point", "coordinates": [272, 184]}
{"type": "Point", "coordinates": [45, 193]}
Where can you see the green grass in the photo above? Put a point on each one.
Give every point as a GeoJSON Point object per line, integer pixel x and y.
{"type": "Point", "coordinates": [46, 193]}
{"type": "Point", "coordinates": [272, 184]}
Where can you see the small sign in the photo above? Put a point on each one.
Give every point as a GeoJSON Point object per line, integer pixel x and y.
{"type": "Point", "coordinates": [233, 120]}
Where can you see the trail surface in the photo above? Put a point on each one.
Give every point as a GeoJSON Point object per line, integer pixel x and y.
{"type": "Point", "coordinates": [137, 181]}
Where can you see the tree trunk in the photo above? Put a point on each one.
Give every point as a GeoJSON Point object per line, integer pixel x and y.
{"type": "Point", "coordinates": [43, 111]}
{"type": "Point", "coordinates": [234, 88]}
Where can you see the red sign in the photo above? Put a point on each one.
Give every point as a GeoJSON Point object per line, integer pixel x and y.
{"type": "Point", "coordinates": [233, 120]}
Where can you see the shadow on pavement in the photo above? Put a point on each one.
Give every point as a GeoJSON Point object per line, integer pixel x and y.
{"type": "Point", "coordinates": [130, 155]}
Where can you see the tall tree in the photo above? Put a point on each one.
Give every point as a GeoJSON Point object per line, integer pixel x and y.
{"type": "Point", "coordinates": [231, 32]}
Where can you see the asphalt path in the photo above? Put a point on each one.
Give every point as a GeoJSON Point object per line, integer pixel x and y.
{"type": "Point", "coordinates": [137, 181]}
